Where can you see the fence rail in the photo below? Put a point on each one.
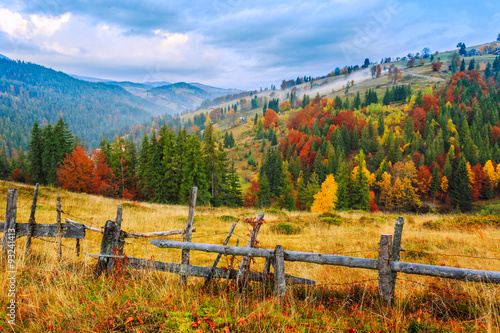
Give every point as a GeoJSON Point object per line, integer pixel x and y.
{"type": "Point", "coordinates": [387, 264]}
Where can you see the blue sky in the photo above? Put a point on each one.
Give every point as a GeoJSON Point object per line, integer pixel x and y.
{"type": "Point", "coordinates": [233, 43]}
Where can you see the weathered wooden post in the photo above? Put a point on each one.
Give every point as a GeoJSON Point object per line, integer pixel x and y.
{"type": "Point", "coordinates": [396, 248]}
{"type": "Point", "coordinates": [231, 266]}
{"type": "Point", "coordinates": [209, 277]}
{"type": "Point", "coordinates": [59, 230]}
{"type": "Point", "coordinates": [385, 287]}
{"type": "Point", "coordinates": [118, 238]}
{"type": "Point", "coordinates": [9, 228]}
{"type": "Point", "coordinates": [251, 242]}
{"type": "Point", "coordinates": [189, 232]}
{"type": "Point", "coordinates": [106, 247]}
{"type": "Point", "coordinates": [31, 223]}
{"type": "Point", "coordinates": [279, 272]}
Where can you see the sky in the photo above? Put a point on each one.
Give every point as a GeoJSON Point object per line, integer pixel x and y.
{"type": "Point", "coordinates": [231, 43]}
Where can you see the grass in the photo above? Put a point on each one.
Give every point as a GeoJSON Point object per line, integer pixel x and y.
{"type": "Point", "coordinates": [67, 297]}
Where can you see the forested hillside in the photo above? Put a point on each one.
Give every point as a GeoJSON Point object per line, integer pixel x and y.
{"type": "Point", "coordinates": [30, 92]}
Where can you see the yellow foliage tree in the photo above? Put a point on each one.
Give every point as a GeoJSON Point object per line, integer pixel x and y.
{"type": "Point", "coordinates": [491, 173]}
{"type": "Point", "coordinates": [444, 184]}
{"type": "Point", "coordinates": [324, 200]}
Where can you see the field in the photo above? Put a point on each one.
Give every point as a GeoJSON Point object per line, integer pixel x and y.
{"type": "Point", "coordinates": [66, 297]}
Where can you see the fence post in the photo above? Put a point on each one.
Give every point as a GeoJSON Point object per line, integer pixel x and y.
{"type": "Point", "coordinates": [9, 229]}
{"type": "Point", "coordinates": [231, 266]}
{"type": "Point", "coordinates": [31, 223]}
{"type": "Point", "coordinates": [59, 230]}
{"type": "Point", "coordinates": [209, 277]}
{"type": "Point", "coordinates": [396, 248]}
{"type": "Point", "coordinates": [118, 240]}
{"type": "Point", "coordinates": [106, 247]}
{"type": "Point", "coordinates": [279, 272]}
{"type": "Point", "coordinates": [386, 290]}
{"type": "Point", "coordinates": [189, 231]}
{"type": "Point", "coordinates": [245, 261]}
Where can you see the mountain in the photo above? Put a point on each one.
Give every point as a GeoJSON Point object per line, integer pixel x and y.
{"type": "Point", "coordinates": [216, 92]}
{"type": "Point", "coordinates": [157, 83]}
{"type": "Point", "coordinates": [3, 57]}
{"type": "Point", "coordinates": [181, 95]}
{"type": "Point", "coordinates": [89, 78]}
{"type": "Point", "coordinates": [30, 92]}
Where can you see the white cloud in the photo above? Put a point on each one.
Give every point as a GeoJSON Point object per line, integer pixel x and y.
{"type": "Point", "coordinates": [13, 23]}
{"type": "Point", "coordinates": [172, 39]}
{"type": "Point", "coordinates": [61, 49]}
{"type": "Point", "coordinates": [47, 25]}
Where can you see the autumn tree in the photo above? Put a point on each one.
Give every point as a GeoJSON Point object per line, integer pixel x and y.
{"type": "Point", "coordinates": [271, 119]}
{"type": "Point", "coordinates": [324, 200]}
{"type": "Point", "coordinates": [77, 172]}
{"type": "Point", "coordinates": [395, 75]}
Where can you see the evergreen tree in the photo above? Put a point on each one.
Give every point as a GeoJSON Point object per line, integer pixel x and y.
{"type": "Point", "coordinates": [462, 66]}
{"type": "Point", "coordinates": [35, 155]}
{"type": "Point", "coordinates": [435, 182]}
{"type": "Point", "coordinates": [49, 155]}
{"type": "Point", "coordinates": [312, 188]}
{"type": "Point", "coordinates": [381, 125]}
{"type": "Point", "coordinates": [286, 199]}
{"type": "Point", "coordinates": [460, 191]}
{"type": "Point", "coordinates": [193, 173]}
{"type": "Point", "coordinates": [264, 197]}
{"type": "Point", "coordinates": [359, 194]}
{"type": "Point", "coordinates": [235, 193]}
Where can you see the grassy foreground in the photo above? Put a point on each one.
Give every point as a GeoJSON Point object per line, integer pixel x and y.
{"type": "Point", "coordinates": [65, 297]}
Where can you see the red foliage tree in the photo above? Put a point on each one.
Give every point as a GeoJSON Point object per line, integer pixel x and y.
{"type": "Point", "coordinates": [431, 102]}
{"type": "Point", "coordinates": [77, 172]}
{"type": "Point", "coordinates": [103, 175]}
{"type": "Point", "coordinates": [250, 196]}
{"type": "Point", "coordinates": [271, 119]}
{"type": "Point", "coordinates": [424, 178]}
{"type": "Point", "coordinates": [480, 181]}
{"type": "Point", "coordinates": [419, 117]}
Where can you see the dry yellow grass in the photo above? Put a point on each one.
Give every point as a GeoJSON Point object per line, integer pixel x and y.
{"type": "Point", "coordinates": [56, 294]}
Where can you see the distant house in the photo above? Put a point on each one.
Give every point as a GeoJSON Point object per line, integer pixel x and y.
{"type": "Point", "coordinates": [242, 120]}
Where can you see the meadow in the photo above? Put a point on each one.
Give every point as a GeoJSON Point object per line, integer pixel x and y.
{"type": "Point", "coordinates": [66, 297]}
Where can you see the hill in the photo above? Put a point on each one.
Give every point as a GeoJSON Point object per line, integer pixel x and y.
{"type": "Point", "coordinates": [30, 92]}
{"type": "Point", "coordinates": [2, 57]}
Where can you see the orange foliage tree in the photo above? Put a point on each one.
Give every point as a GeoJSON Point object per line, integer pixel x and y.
{"type": "Point", "coordinates": [271, 119]}
{"type": "Point", "coordinates": [424, 178]}
{"type": "Point", "coordinates": [77, 172]}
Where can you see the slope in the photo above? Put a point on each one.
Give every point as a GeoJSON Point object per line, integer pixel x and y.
{"type": "Point", "coordinates": [30, 92]}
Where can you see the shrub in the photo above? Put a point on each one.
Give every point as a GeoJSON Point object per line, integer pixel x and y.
{"type": "Point", "coordinates": [285, 229]}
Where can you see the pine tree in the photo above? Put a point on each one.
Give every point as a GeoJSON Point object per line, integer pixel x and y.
{"type": "Point", "coordinates": [344, 183]}
{"type": "Point", "coordinates": [193, 173]}
{"type": "Point", "coordinates": [460, 191]}
{"type": "Point", "coordinates": [49, 155]}
{"type": "Point", "coordinates": [35, 155]}
{"type": "Point", "coordinates": [312, 188]}
{"type": "Point", "coordinates": [286, 199]}
{"type": "Point", "coordinates": [435, 182]}
{"type": "Point", "coordinates": [235, 198]}
{"type": "Point", "coordinates": [264, 197]}
{"type": "Point", "coordinates": [359, 194]}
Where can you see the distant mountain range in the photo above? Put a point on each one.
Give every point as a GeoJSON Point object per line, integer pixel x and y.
{"type": "Point", "coordinates": [30, 92]}
{"type": "Point", "coordinates": [175, 97]}
{"type": "Point", "coordinates": [90, 106]}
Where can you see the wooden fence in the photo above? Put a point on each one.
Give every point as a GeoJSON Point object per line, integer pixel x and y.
{"type": "Point", "coordinates": [387, 264]}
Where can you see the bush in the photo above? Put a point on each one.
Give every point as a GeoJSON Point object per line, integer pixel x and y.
{"type": "Point", "coordinates": [285, 229]}
{"type": "Point", "coordinates": [337, 220]}
{"type": "Point", "coordinates": [228, 218]}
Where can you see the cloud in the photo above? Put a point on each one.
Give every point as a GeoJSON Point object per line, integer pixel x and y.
{"type": "Point", "coordinates": [46, 25]}
{"type": "Point", "coordinates": [233, 43]}
{"type": "Point", "coordinates": [13, 23]}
